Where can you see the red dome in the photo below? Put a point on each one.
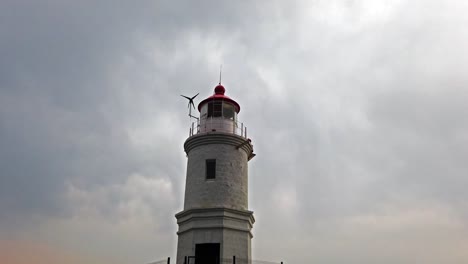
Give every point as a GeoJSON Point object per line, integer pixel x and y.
{"type": "Point", "coordinates": [219, 96]}
{"type": "Point", "coordinates": [219, 89]}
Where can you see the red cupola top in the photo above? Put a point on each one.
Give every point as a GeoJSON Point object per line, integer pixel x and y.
{"type": "Point", "coordinates": [219, 96]}
{"type": "Point", "coordinates": [219, 89]}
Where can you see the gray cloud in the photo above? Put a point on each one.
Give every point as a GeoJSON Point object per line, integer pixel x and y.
{"type": "Point", "coordinates": [356, 111]}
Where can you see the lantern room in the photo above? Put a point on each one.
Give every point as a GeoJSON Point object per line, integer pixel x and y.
{"type": "Point", "coordinates": [218, 113]}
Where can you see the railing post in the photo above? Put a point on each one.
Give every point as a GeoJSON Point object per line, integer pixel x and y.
{"type": "Point", "coordinates": [168, 260]}
{"type": "Point", "coordinates": [233, 259]}
{"type": "Point", "coordinates": [245, 132]}
{"type": "Point", "coordinates": [242, 129]}
{"type": "Point", "coordinates": [185, 260]}
{"type": "Point", "coordinates": [192, 128]}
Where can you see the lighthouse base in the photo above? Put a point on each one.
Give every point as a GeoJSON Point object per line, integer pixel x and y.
{"type": "Point", "coordinates": [211, 234]}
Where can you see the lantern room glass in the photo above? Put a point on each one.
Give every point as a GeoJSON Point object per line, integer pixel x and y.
{"type": "Point", "coordinates": [218, 115]}
{"type": "Point", "coordinates": [218, 109]}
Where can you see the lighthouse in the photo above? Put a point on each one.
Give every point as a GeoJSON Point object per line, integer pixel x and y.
{"type": "Point", "coordinates": [215, 223]}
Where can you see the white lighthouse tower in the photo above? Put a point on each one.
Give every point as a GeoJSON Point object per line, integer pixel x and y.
{"type": "Point", "coordinates": [216, 223]}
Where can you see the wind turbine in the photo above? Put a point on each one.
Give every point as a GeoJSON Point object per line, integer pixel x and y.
{"type": "Point", "coordinates": [191, 104]}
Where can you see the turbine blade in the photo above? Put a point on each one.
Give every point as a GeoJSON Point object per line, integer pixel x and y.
{"type": "Point", "coordinates": [185, 97]}
{"type": "Point", "coordinates": [195, 96]}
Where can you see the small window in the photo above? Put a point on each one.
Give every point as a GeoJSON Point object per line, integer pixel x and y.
{"type": "Point", "coordinates": [210, 169]}
{"type": "Point", "coordinates": [215, 109]}
{"type": "Point", "coordinates": [204, 111]}
{"type": "Point", "coordinates": [210, 109]}
{"type": "Point", "coordinates": [228, 111]}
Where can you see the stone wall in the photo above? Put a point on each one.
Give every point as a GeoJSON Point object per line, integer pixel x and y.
{"type": "Point", "coordinates": [216, 210]}
{"type": "Point", "coordinates": [230, 187]}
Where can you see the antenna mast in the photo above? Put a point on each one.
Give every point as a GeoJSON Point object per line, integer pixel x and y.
{"type": "Point", "coordinates": [220, 71]}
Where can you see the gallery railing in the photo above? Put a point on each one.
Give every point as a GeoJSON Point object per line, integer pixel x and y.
{"type": "Point", "coordinates": [162, 261]}
{"type": "Point", "coordinates": [218, 124]}
{"type": "Point", "coordinates": [233, 260]}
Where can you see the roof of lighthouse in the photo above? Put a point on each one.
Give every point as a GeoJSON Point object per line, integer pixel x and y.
{"type": "Point", "coordinates": [219, 96]}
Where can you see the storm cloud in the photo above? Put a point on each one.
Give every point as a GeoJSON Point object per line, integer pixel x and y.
{"type": "Point", "coordinates": [357, 112]}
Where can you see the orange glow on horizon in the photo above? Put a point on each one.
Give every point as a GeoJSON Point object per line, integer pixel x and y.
{"type": "Point", "coordinates": [25, 252]}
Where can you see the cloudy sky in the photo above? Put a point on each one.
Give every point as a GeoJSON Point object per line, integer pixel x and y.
{"type": "Point", "coordinates": [357, 110]}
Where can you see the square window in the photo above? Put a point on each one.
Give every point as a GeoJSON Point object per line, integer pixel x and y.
{"type": "Point", "coordinates": [210, 169]}
{"type": "Point", "coordinates": [210, 109]}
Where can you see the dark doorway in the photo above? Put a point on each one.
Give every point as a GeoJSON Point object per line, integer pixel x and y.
{"type": "Point", "coordinates": [207, 253]}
